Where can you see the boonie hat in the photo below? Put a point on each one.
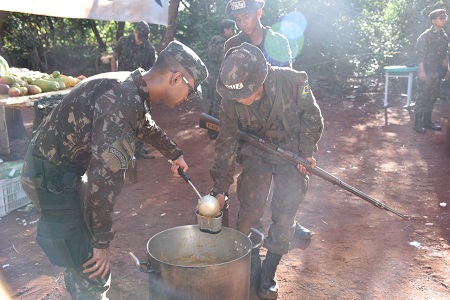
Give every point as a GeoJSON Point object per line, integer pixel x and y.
{"type": "Point", "coordinates": [243, 71]}
{"type": "Point", "coordinates": [142, 30]}
{"type": "Point", "coordinates": [235, 7]}
{"type": "Point", "coordinates": [227, 23]}
{"type": "Point", "coordinates": [189, 60]}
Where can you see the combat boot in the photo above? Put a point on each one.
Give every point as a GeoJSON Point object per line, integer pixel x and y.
{"type": "Point", "coordinates": [255, 269]}
{"type": "Point", "coordinates": [268, 285]}
{"type": "Point", "coordinates": [428, 124]}
{"type": "Point", "coordinates": [418, 122]}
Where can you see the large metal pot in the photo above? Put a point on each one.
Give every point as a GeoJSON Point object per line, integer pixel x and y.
{"type": "Point", "coordinates": [186, 263]}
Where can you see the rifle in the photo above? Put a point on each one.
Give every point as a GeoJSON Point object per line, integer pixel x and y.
{"type": "Point", "coordinates": [209, 122]}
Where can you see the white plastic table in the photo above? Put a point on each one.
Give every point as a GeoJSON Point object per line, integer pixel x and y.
{"type": "Point", "coordinates": [399, 71]}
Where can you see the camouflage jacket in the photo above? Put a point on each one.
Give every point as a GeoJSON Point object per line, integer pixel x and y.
{"type": "Point", "coordinates": [131, 56]}
{"type": "Point", "coordinates": [95, 127]}
{"type": "Point", "coordinates": [275, 47]}
{"type": "Point", "coordinates": [432, 48]}
{"type": "Point", "coordinates": [215, 56]}
{"type": "Point", "coordinates": [300, 110]}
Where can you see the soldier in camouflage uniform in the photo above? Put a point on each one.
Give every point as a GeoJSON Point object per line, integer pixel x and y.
{"type": "Point", "coordinates": [432, 50]}
{"type": "Point", "coordinates": [132, 52]}
{"type": "Point", "coordinates": [277, 105]}
{"type": "Point", "coordinates": [75, 165]}
{"type": "Point", "coordinates": [215, 54]}
{"type": "Point", "coordinates": [274, 45]}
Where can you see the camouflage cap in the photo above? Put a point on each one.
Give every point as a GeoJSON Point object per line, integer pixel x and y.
{"type": "Point", "coordinates": [227, 23]}
{"type": "Point", "coordinates": [243, 71]}
{"type": "Point", "coordinates": [236, 7]}
{"type": "Point", "coordinates": [142, 30]}
{"type": "Point", "coordinates": [437, 13]}
{"type": "Point", "coordinates": [189, 60]}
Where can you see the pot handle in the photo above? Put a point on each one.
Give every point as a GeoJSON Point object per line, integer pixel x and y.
{"type": "Point", "coordinates": [261, 235]}
{"type": "Point", "coordinates": [145, 266]}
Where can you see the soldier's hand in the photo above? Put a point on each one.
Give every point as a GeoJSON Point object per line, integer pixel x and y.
{"type": "Point", "coordinates": [179, 163]}
{"type": "Point", "coordinates": [221, 199]}
{"type": "Point", "coordinates": [99, 264]}
{"type": "Point", "coordinates": [303, 169]}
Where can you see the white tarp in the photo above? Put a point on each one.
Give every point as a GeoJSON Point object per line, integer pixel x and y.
{"type": "Point", "coordinates": [151, 11]}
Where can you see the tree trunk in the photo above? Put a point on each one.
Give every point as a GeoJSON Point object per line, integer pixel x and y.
{"type": "Point", "coordinates": [101, 43]}
{"type": "Point", "coordinates": [173, 24]}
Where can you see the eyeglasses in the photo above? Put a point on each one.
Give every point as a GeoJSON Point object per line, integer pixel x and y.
{"type": "Point", "coordinates": [192, 92]}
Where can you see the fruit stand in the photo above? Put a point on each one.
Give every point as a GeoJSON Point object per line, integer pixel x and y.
{"type": "Point", "coordinates": [19, 103]}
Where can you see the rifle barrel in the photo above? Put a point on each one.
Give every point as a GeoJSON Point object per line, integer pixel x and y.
{"type": "Point", "coordinates": [208, 122]}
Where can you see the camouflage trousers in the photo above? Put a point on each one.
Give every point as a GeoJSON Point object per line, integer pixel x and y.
{"type": "Point", "coordinates": [253, 186]}
{"type": "Point", "coordinates": [427, 93]}
{"type": "Point", "coordinates": [80, 287]}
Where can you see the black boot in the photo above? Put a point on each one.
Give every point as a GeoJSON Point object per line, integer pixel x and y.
{"type": "Point", "coordinates": [255, 268]}
{"type": "Point", "coordinates": [268, 285]}
{"type": "Point", "coordinates": [428, 124]}
{"type": "Point", "coordinates": [418, 122]}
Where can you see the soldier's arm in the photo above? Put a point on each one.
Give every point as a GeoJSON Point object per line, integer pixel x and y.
{"type": "Point", "coordinates": [152, 134]}
{"type": "Point", "coordinates": [226, 148]}
{"type": "Point", "coordinates": [311, 118]}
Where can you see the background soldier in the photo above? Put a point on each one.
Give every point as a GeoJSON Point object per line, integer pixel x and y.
{"type": "Point", "coordinates": [277, 105]}
{"type": "Point", "coordinates": [274, 45]}
{"type": "Point", "coordinates": [132, 52]}
{"type": "Point", "coordinates": [432, 48]}
{"type": "Point", "coordinates": [91, 135]}
{"type": "Point", "coordinates": [215, 55]}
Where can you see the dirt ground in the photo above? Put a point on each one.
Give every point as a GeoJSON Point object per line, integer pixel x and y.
{"type": "Point", "coordinates": [358, 251]}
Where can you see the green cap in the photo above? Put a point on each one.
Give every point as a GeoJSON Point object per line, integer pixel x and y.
{"type": "Point", "coordinates": [236, 7]}
{"type": "Point", "coordinates": [189, 60]}
{"type": "Point", "coordinates": [243, 71]}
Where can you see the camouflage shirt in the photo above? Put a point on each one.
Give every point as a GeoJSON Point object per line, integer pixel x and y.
{"type": "Point", "coordinates": [432, 47]}
{"type": "Point", "coordinates": [275, 47]}
{"type": "Point", "coordinates": [299, 108]}
{"type": "Point", "coordinates": [131, 56]}
{"type": "Point", "coordinates": [95, 127]}
{"type": "Point", "coordinates": [215, 56]}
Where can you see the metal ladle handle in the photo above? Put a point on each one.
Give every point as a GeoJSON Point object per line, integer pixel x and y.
{"type": "Point", "coordinates": [187, 179]}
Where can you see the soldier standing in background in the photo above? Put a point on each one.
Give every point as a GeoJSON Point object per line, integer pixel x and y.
{"type": "Point", "coordinates": [132, 52]}
{"type": "Point", "coordinates": [277, 105]}
{"type": "Point", "coordinates": [74, 168]}
{"type": "Point", "coordinates": [432, 50]}
{"type": "Point", "coordinates": [275, 46]}
{"type": "Point", "coordinates": [215, 55]}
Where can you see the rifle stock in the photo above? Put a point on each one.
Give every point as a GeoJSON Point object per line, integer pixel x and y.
{"type": "Point", "coordinates": [209, 122]}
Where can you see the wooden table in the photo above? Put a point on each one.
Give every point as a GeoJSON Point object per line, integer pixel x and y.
{"type": "Point", "coordinates": [18, 103]}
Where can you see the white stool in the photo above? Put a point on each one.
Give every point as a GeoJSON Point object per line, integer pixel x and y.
{"type": "Point", "coordinates": [399, 71]}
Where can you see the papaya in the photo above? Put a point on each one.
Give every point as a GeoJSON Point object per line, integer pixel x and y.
{"type": "Point", "coordinates": [67, 82]}
{"type": "Point", "coordinates": [46, 85]}
{"type": "Point", "coordinates": [34, 89]}
{"type": "Point", "coordinates": [56, 74]}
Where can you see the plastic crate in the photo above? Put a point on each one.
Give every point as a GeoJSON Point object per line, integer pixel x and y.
{"type": "Point", "coordinates": [12, 195]}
